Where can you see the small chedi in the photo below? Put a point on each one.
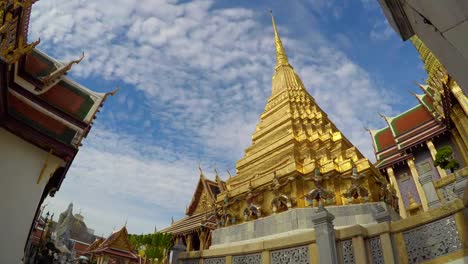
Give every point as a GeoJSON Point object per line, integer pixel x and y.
{"type": "Point", "coordinates": [303, 193]}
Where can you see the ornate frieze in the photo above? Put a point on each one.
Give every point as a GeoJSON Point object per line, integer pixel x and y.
{"type": "Point", "coordinates": [296, 255]}
{"type": "Point", "coordinates": [432, 240]}
{"type": "Point", "coordinates": [247, 259]}
{"type": "Point", "coordinates": [376, 252]}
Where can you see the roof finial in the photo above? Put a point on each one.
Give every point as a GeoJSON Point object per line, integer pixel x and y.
{"type": "Point", "coordinates": [217, 178]}
{"type": "Point", "coordinates": [281, 58]}
{"type": "Point", "coordinates": [229, 173]}
{"type": "Point", "coordinates": [200, 169]}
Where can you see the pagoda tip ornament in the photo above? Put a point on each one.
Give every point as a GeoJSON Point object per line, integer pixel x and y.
{"type": "Point", "coordinates": [281, 58]}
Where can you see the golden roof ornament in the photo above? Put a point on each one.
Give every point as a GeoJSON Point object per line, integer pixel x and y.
{"type": "Point", "coordinates": [201, 171]}
{"type": "Point", "coordinates": [281, 58]}
{"type": "Point", "coordinates": [56, 75]}
{"type": "Point", "coordinates": [217, 178]}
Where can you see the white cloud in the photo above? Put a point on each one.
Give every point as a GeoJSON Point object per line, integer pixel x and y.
{"type": "Point", "coordinates": [381, 30]}
{"type": "Point", "coordinates": [205, 74]}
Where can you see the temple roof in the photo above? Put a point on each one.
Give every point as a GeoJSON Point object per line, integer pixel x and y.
{"type": "Point", "coordinates": [116, 244]}
{"type": "Point", "coordinates": [191, 224]}
{"type": "Point", "coordinates": [405, 130]}
{"type": "Point", "coordinates": [206, 189]}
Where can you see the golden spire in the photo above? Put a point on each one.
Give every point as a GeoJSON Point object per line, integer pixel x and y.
{"type": "Point", "coordinates": [281, 58]}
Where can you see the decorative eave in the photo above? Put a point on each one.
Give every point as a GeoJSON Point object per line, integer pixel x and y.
{"type": "Point", "coordinates": [395, 12]}
{"type": "Point", "coordinates": [192, 224]}
{"type": "Point", "coordinates": [53, 78]}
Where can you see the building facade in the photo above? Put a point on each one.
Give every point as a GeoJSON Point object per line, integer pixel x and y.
{"type": "Point", "coordinates": [44, 116]}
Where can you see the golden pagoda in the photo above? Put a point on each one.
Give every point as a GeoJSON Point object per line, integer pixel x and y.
{"type": "Point", "coordinates": [297, 158]}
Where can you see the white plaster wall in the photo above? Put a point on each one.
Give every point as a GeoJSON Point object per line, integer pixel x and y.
{"type": "Point", "coordinates": [449, 41]}
{"type": "Point", "coordinates": [20, 166]}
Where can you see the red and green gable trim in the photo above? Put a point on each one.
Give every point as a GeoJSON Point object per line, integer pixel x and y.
{"type": "Point", "coordinates": [383, 139]}
{"type": "Point", "coordinates": [78, 103]}
{"type": "Point", "coordinates": [38, 65]}
{"type": "Point", "coordinates": [40, 121]}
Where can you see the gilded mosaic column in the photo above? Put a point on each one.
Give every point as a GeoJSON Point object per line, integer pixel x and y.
{"type": "Point", "coordinates": [461, 122]}
{"type": "Point", "coordinates": [461, 98]}
{"type": "Point", "coordinates": [460, 145]}
{"type": "Point", "coordinates": [393, 181]}
{"type": "Point", "coordinates": [419, 188]}
{"type": "Point", "coordinates": [433, 151]}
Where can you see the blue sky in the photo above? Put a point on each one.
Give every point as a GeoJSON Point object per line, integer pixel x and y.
{"type": "Point", "coordinates": [194, 78]}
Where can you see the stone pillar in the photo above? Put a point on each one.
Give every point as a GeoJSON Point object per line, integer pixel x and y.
{"type": "Point", "coordinates": [419, 188]}
{"type": "Point", "coordinates": [359, 250]}
{"type": "Point", "coordinates": [462, 149]}
{"type": "Point", "coordinates": [429, 189]}
{"type": "Point", "coordinates": [461, 123]}
{"type": "Point", "coordinates": [176, 250]}
{"type": "Point", "coordinates": [380, 214]}
{"type": "Point", "coordinates": [393, 181]}
{"type": "Point", "coordinates": [433, 152]}
{"type": "Point", "coordinates": [387, 248]}
{"type": "Point", "coordinates": [228, 259]}
{"type": "Point", "coordinates": [265, 257]}
{"type": "Point", "coordinates": [325, 236]}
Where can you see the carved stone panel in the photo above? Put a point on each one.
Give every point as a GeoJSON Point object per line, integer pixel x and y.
{"type": "Point", "coordinates": [448, 192]}
{"type": "Point", "coordinates": [247, 259]}
{"type": "Point", "coordinates": [432, 240]}
{"type": "Point", "coordinates": [348, 251]}
{"type": "Point", "coordinates": [296, 255]}
{"type": "Point", "coordinates": [376, 252]}
{"type": "Point", "coordinates": [191, 261]}
{"type": "Point", "coordinates": [215, 260]}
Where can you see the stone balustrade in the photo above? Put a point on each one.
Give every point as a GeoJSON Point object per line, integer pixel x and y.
{"type": "Point", "coordinates": [438, 235]}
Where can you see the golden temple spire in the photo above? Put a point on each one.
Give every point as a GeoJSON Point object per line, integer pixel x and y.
{"type": "Point", "coordinates": [281, 58]}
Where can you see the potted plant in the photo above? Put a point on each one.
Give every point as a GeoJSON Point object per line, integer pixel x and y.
{"type": "Point", "coordinates": [444, 159]}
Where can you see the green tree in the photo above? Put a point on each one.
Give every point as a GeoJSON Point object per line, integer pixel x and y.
{"type": "Point", "coordinates": [444, 159]}
{"type": "Point", "coordinates": [154, 246]}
